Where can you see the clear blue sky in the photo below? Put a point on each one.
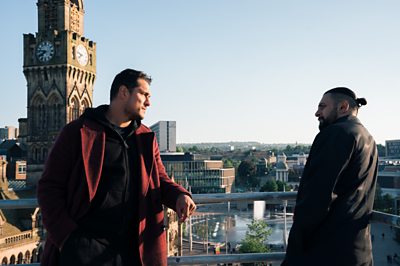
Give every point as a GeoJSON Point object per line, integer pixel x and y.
{"type": "Point", "coordinates": [231, 70]}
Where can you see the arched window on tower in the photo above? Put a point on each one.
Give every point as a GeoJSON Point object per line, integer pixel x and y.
{"type": "Point", "coordinates": [37, 114]}
{"type": "Point", "coordinates": [42, 117]}
{"type": "Point", "coordinates": [74, 110]}
{"type": "Point", "coordinates": [84, 105]}
{"type": "Point", "coordinates": [54, 114]}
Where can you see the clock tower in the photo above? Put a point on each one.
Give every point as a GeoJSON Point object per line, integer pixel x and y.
{"type": "Point", "coordinates": [60, 69]}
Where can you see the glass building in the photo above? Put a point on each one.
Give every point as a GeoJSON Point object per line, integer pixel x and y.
{"type": "Point", "coordinates": [198, 174]}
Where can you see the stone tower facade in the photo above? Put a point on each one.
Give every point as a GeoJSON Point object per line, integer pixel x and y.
{"type": "Point", "coordinates": [60, 69]}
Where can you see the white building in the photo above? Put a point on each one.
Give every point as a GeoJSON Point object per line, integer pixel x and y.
{"type": "Point", "coordinates": [166, 135]}
{"type": "Point", "coordinates": [282, 169]}
{"type": "Point", "coordinates": [8, 132]}
{"type": "Point", "coordinates": [393, 148]}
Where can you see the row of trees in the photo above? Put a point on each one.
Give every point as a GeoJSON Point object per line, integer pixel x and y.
{"type": "Point", "coordinates": [383, 203]}
{"type": "Point", "coordinates": [288, 149]}
{"type": "Point", "coordinates": [275, 186]}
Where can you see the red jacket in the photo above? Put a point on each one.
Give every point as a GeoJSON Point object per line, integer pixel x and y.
{"type": "Point", "coordinates": [71, 177]}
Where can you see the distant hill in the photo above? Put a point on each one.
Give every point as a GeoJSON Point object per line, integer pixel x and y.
{"type": "Point", "coordinates": [238, 145]}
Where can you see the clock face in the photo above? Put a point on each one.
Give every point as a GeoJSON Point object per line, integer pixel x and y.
{"type": "Point", "coordinates": [82, 55]}
{"type": "Point", "coordinates": [45, 51]}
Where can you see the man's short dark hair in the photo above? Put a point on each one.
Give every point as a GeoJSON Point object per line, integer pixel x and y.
{"type": "Point", "coordinates": [342, 93]}
{"type": "Point", "coordinates": [129, 78]}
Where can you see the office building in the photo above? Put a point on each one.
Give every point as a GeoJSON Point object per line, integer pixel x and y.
{"type": "Point", "coordinates": [199, 174]}
{"type": "Point", "coordinates": [8, 132]}
{"type": "Point", "coordinates": [392, 148]}
{"type": "Point", "coordinates": [166, 135]}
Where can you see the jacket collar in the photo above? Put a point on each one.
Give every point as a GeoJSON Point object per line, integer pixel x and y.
{"type": "Point", "coordinates": [347, 118]}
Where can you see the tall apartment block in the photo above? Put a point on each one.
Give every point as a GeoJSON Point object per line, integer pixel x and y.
{"type": "Point", "coordinates": [166, 135]}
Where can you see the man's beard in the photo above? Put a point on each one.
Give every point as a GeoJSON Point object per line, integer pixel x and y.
{"type": "Point", "coordinates": [133, 116]}
{"type": "Point", "coordinates": [328, 120]}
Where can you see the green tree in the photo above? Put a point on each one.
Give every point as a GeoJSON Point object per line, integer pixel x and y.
{"type": "Point", "coordinates": [201, 230]}
{"type": "Point", "coordinates": [381, 150]}
{"type": "Point", "coordinates": [246, 174]}
{"type": "Point", "coordinates": [282, 184]}
{"type": "Point", "coordinates": [256, 237]}
{"type": "Point", "coordinates": [388, 204]}
{"type": "Point", "coordinates": [383, 203]}
{"type": "Point", "coordinates": [228, 163]}
{"type": "Point", "coordinates": [247, 168]}
{"type": "Point", "coordinates": [194, 149]}
{"type": "Point", "coordinates": [215, 150]}
{"type": "Point", "coordinates": [288, 150]}
{"type": "Point", "coordinates": [179, 149]}
{"type": "Point", "coordinates": [269, 186]}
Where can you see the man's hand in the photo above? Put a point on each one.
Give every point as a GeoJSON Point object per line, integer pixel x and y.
{"type": "Point", "coordinates": [184, 207]}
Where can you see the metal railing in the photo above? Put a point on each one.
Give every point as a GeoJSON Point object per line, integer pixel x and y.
{"type": "Point", "coordinates": [269, 197]}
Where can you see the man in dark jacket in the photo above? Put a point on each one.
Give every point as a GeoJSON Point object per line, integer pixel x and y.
{"type": "Point", "coordinates": [336, 193]}
{"type": "Point", "coordinates": [103, 187]}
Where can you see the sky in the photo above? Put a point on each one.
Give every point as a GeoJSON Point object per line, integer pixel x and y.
{"type": "Point", "coordinates": [232, 70]}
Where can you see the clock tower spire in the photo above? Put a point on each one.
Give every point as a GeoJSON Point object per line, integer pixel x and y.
{"type": "Point", "coordinates": [60, 69]}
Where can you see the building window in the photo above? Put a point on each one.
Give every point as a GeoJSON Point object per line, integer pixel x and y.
{"type": "Point", "coordinates": [84, 105]}
{"type": "Point", "coordinates": [54, 114]}
{"type": "Point", "coordinates": [42, 117]}
{"type": "Point", "coordinates": [22, 169]}
{"type": "Point", "coordinates": [74, 109]}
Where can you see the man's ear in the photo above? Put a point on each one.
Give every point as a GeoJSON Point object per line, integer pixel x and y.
{"type": "Point", "coordinates": [344, 107]}
{"type": "Point", "coordinates": [123, 91]}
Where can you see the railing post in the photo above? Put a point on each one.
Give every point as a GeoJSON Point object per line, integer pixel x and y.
{"type": "Point", "coordinates": [207, 234]}
{"type": "Point", "coordinates": [284, 225]}
{"type": "Point", "coordinates": [190, 236]}
{"type": "Point", "coordinates": [180, 233]}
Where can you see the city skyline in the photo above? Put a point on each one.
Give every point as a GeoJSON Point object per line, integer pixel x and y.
{"type": "Point", "coordinates": [232, 70]}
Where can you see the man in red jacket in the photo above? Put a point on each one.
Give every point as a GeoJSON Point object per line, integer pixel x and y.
{"type": "Point", "coordinates": [103, 187]}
